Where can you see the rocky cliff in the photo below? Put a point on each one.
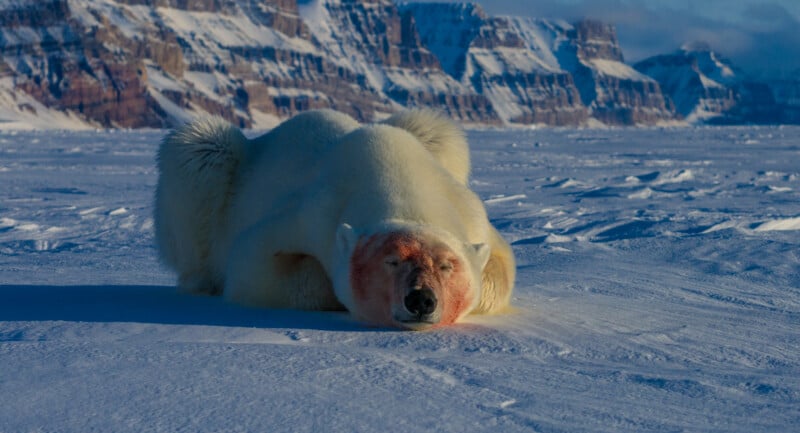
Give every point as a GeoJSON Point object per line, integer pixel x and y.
{"type": "Point", "coordinates": [156, 63]}
{"type": "Point", "coordinates": [705, 87]}
{"type": "Point", "coordinates": [614, 92]}
{"type": "Point", "coordinates": [72, 68]}
{"type": "Point", "coordinates": [506, 60]}
{"type": "Point", "coordinates": [540, 71]}
{"type": "Point", "coordinates": [376, 39]}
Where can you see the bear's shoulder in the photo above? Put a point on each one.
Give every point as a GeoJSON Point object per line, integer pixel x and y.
{"type": "Point", "coordinates": [306, 135]}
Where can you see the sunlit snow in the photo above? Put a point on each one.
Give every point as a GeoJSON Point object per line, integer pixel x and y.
{"type": "Point", "coordinates": [658, 291]}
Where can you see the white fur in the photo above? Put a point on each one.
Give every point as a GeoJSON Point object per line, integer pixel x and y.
{"type": "Point", "coordinates": [197, 165]}
{"type": "Point", "coordinates": [275, 219]}
{"type": "Point", "coordinates": [440, 136]}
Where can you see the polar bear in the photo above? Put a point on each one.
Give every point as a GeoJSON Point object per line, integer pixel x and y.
{"type": "Point", "coordinates": [324, 213]}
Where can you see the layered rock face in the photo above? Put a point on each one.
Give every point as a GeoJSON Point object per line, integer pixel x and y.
{"type": "Point", "coordinates": [134, 63]}
{"type": "Point", "coordinates": [157, 63]}
{"type": "Point", "coordinates": [614, 92]}
{"type": "Point", "coordinates": [254, 62]}
{"type": "Point", "coordinates": [506, 60]}
{"type": "Point", "coordinates": [540, 71]}
{"type": "Point", "coordinates": [73, 68]}
{"type": "Point", "coordinates": [377, 40]}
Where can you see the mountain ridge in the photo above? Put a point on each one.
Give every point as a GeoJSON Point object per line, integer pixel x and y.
{"type": "Point", "coordinates": [158, 63]}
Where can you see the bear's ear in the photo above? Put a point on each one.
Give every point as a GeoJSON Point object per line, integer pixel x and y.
{"type": "Point", "coordinates": [431, 127]}
{"type": "Point", "coordinates": [443, 138]}
{"type": "Point", "coordinates": [481, 252]}
{"type": "Point", "coordinates": [345, 239]}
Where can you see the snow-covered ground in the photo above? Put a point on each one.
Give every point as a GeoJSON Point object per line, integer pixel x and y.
{"type": "Point", "coordinates": [658, 290]}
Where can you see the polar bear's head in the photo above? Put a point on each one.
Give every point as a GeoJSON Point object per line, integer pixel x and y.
{"type": "Point", "coordinates": [413, 279]}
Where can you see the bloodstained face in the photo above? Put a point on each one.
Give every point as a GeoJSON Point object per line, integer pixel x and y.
{"type": "Point", "coordinates": [409, 281]}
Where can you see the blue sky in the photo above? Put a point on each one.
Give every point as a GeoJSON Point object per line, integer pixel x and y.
{"type": "Point", "coordinates": [761, 37]}
{"type": "Point", "coordinates": [722, 10]}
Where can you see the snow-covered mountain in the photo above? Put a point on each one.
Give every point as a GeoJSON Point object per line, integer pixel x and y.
{"type": "Point", "coordinates": [540, 71]}
{"type": "Point", "coordinates": [135, 63]}
{"type": "Point", "coordinates": [509, 61]}
{"type": "Point", "coordinates": [706, 87]}
{"type": "Point", "coordinates": [614, 92]}
{"type": "Point", "coordinates": [159, 62]}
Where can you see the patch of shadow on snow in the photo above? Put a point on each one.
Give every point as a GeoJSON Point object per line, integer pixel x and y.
{"type": "Point", "coordinates": [649, 177]}
{"type": "Point", "coordinates": [604, 192]}
{"type": "Point", "coordinates": [74, 191]}
{"type": "Point", "coordinates": [629, 230]}
{"type": "Point", "coordinates": [774, 392]}
{"type": "Point", "coordinates": [687, 387]}
{"type": "Point", "coordinates": [154, 304]}
{"type": "Point", "coordinates": [535, 240]}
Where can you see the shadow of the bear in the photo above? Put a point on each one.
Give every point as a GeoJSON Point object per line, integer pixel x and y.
{"type": "Point", "coordinates": [154, 304]}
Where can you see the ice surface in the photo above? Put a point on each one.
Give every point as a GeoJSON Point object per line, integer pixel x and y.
{"type": "Point", "coordinates": [658, 291]}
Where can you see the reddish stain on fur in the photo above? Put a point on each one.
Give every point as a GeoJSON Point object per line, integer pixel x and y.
{"type": "Point", "coordinates": [420, 263]}
{"type": "Point", "coordinates": [371, 284]}
{"type": "Point", "coordinates": [457, 298]}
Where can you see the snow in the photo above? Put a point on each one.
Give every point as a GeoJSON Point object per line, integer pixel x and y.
{"type": "Point", "coordinates": [340, 39]}
{"type": "Point", "coordinates": [780, 224]}
{"type": "Point", "coordinates": [714, 68]}
{"type": "Point", "coordinates": [699, 113]}
{"type": "Point", "coordinates": [230, 30]}
{"type": "Point", "coordinates": [431, 81]}
{"type": "Point", "coordinates": [178, 115]}
{"type": "Point", "coordinates": [542, 37]}
{"type": "Point", "coordinates": [160, 81]}
{"type": "Point", "coordinates": [502, 60]}
{"type": "Point", "coordinates": [503, 99]}
{"type": "Point", "coordinates": [708, 83]}
{"type": "Point", "coordinates": [658, 291]}
{"type": "Point", "coordinates": [444, 29]}
{"type": "Point", "coordinates": [19, 111]}
{"type": "Point", "coordinates": [208, 83]}
{"type": "Point", "coordinates": [617, 69]}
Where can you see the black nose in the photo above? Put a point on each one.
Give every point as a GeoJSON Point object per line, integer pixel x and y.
{"type": "Point", "coordinates": [421, 302]}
